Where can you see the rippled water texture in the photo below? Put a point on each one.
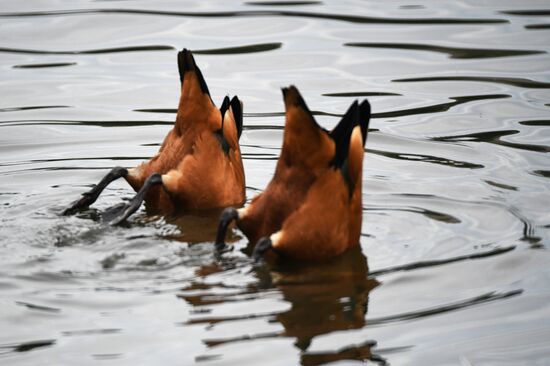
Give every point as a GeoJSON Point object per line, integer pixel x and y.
{"type": "Point", "coordinates": [453, 265]}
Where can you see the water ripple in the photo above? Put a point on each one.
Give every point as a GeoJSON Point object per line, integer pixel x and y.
{"type": "Point", "coordinates": [253, 48]}
{"type": "Point", "coordinates": [361, 352]}
{"type": "Point", "coordinates": [263, 127]}
{"type": "Point", "coordinates": [249, 156]}
{"type": "Point", "coordinates": [442, 107]}
{"type": "Point", "coordinates": [425, 159]}
{"type": "Point", "coordinates": [106, 356]}
{"type": "Point", "coordinates": [470, 244]}
{"type": "Point", "coordinates": [253, 114]}
{"type": "Point", "coordinates": [542, 173]}
{"type": "Point", "coordinates": [535, 13]}
{"type": "Point", "coordinates": [453, 52]}
{"type": "Point", "coordinates": [488, 297]}
{"type": "Point", "coordinates": [434, 215]}
{"type": "Point", "coordinates": [157, 110]}
{"type": "Point", "coordinates": [93, 332]}
{"type": "Point", "coordinates": [434, 108]}
{"type": "Point", "coordinates": [439, 262]}
{"type": "Point", "coordinates": [529, 230]}
{"type": "Point", "coordinates": [283, 3]}
{"type": "Point", "coordinates": [412, 315]}
{"type": "Point", "coordinates": [38, 307]}
{"type": "Point", "coordinates": [40, 66]}
{"type": "Point", "coordinates": [360, 94]}
{"type": "Point", "coordinates": [16, 109]}
{"type": "Point", "coordinates": [89, 52]}
{"type": "Point", "coordinates": [500, 185]}
{"type": "Point", "coordinates": [64, 122]}
{"type": "Point", "coordinates": [494, 137]}
{"type": "Point", "coordinates": [537, 26]}
{"type": "Point", "coordinates": [25, 346]}
{"type": "Point", "coordinates": [535, 123]}
{"type": "Point", "coordinates": [252, 13]}
{"type": "Point", "coordinates": [520, 82]}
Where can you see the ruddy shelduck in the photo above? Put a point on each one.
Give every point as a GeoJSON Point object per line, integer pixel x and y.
{"type": "Point", "coordinates": [312, 208]}
{"type": "Point", "coordinates": [199, 164]}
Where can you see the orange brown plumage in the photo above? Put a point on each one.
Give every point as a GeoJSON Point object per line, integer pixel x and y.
{"type": "Point", "coordinates": [199, 165]}
{"type": "Point", "coordinates": [312, 208]}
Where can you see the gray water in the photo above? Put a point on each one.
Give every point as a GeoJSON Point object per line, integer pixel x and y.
{"type": "Point", "coordinates": [453, 265]}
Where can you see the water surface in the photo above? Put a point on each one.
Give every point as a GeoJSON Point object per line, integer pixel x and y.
{"type": "Point", "coordinates": [453, 263]}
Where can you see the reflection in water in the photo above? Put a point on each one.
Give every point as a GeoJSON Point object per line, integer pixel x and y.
{"type": "Point", "coordinates": [360, 94]}
{"type": "Point", "coordinates": [542, 173]}
{"type": "Point", "coordinates": [536, 123]}
{"type": "Point", "coordinates": [453, 52]}
{"type": "Point", "coordinates": [462, 271]}
{"type": "Point", "coordinates": [537, 26]}
{"type": "Point", "coordinates": [283, 3]}
{"type": "Point", "coordinates": [529, 230]}
{"type": "Point", "coordinates": [107, 356]}
{"type": "Point", "coordinates": [157, 110]}
{"type": "Point", "coordinates": [338, 292]}
{"type": "Point", "coordinates": [41, 66]}
{"type": "Point", "coordinates": [536, 13]}
{"type": "Point", "coordinates": [435, 108]}
{"type": "Point", "coordinates": [439, 262]}
{"type": "Point", "coordinates": [324, 298]}
{"type": "Point", "coordinates": [501, 185]}
{"type": "Point", "coordinates": [425, 159]}
{"type": "Point", "coordinates": [15, 109]}
{"type": "Point", "coordinates": [253, 48]}
{"type": "Point", "coordinates": [434, 215]}
{"type": "Point", "coordinates": [25, 346]}
{"type": "Point", "coordinates": [494, 137]}
{"type": "Point", "coordinates": [259, 114]}
{"type": "Point", "coordinates": [268, 13]}
{"type": "Point", "coordinates": [53, 122]}
{"type": "Point", "coordinates": [519, 82]}
{"type": "Point", "coordinates": [360, 352]}
{"type": "Point", "coordinates": [417, 314]}
{"type": "Point", "coordinates": [88, 52]}
{"type": "Point", "coordinates": [91, 332]}
{"type": "Point", "coordinates": [38, 307]}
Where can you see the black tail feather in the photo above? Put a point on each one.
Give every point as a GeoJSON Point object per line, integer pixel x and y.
{"type": "Point", "coordinates": [237, 109]}
{"type": "Point", "coordinates": [225, 106]}
{"type": "Point", "coordinates": [342, 132]}
{"type": "Point", "coordinates": [186, 62]}
{"type": "Point", "coordinates": [364, 118]}
{"type": "Point", "coordinates": [357, 114]}
{"type": "Point", "coordinates": [219, 133]}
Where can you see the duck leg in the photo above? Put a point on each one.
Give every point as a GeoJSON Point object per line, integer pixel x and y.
{"type": "Point", "coordinates": [262, 246]}
{"type": "Point", "coordinates": [228, 215]}
{"type": "Point", "coordinates": [91, 196]}
{"type": "Point", "coordinates": [135, 202]}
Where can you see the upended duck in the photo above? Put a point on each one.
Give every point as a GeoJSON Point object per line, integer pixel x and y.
{"type": "Point", "coordinates": [312, 208]}
{"type": "Point", "coordinates": [199, 164]}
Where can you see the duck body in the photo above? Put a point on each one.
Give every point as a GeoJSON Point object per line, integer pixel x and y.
{"type": "Point", "coordinates": [199, 164]}
{"type": "Point", "coordinates": [312, 208]}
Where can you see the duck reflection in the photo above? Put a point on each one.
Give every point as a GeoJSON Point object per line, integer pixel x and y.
{"type": "Point", "coordinates": [324, 298]}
